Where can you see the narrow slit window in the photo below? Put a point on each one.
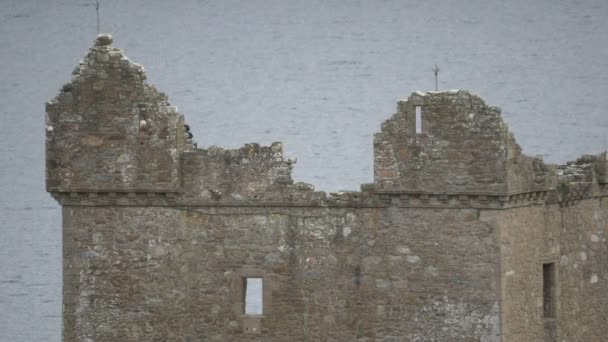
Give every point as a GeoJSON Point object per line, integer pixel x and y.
{"type": "Point", "coordinates": [549, 290]}
{"type": "Point", "coordinates": [253, 293]}
{"type": "Point", "coordinates": [418, 119]}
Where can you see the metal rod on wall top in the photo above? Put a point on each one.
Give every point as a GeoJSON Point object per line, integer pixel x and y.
{"type": "Point", "coordinates": [97, 10]}
{"type": "Point", "coordinates": [436, 72]}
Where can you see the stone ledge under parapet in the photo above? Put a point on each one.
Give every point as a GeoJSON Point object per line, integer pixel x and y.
{"type": "Point", "coordinates": [576, 192]}
{"type": "Point", "coordinates": [322, 200]}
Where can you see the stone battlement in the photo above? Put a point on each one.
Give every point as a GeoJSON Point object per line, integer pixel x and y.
{"type": "Point", "coordinates": [109, 131]}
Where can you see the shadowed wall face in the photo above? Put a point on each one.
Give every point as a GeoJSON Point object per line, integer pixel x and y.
{"type": "Point", "coordinates": [554, 263]}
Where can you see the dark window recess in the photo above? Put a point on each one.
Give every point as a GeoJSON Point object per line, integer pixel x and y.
{"type": "Point", "coordinates": [253, 296]}
{"type": "Point", "coordinates": [549, 290]}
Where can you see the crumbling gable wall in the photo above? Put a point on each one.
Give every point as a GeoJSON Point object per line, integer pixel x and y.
{"type": "Point", "coordinates": [463, 147]}
{"type": "Point", "coordinates": [460, 149]}
{"type": "Point", "coordinates": [108, 129]}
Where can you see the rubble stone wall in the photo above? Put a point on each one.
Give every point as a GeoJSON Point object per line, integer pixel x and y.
{"type": "Point", "coordinates": [463, 147]}
{"type": "Point", "coordinates": [574, 239]}
{"type": "Point", "coordinates": [108, 129]}
{"type": "Point", "coordinates": [330, 274]}
{"type": "Point", "coordinates": [215, 173]}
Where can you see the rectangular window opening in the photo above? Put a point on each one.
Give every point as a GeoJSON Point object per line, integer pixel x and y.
{"type": "Point", "coordinates": [549, 290]}
{"type": "Point", "coordinates": [253, 296]}
{"type": "Point", "coordinates": [418, 119]}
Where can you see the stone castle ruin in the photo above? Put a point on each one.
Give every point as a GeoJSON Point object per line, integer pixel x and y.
{"type": "Point", "coordinates": [461, 237]}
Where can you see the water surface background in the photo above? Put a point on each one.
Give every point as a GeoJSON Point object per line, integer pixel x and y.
{"type": "Point", "coordinates": [320, 76]}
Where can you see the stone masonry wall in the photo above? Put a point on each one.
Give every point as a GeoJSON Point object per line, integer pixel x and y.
{"type": "Point", "coordinates": [108, 129]}
{"type": "Point", "coordinates": [574, 239]}
{"type": "Point", "coordinates": [216, 174]}
{"type": "Point", "coordinates": [463, 147]}
{"type": "Point", "coordinates": [330, 274]}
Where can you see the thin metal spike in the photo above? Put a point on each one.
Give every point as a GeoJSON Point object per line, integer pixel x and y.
{"type": "Point", "coordinates": [97, 10]}
{"type": "Point", "coordinates": [604, 147]}
{"type": "Point", "coordinates": [436, 72]}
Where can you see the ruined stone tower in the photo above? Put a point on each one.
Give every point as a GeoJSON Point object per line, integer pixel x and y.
{"type": "Point", "coordinates": [461, 237]}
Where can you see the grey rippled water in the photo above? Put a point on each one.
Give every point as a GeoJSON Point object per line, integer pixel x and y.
{"type": "Point", "coordinates": [318, 75]}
